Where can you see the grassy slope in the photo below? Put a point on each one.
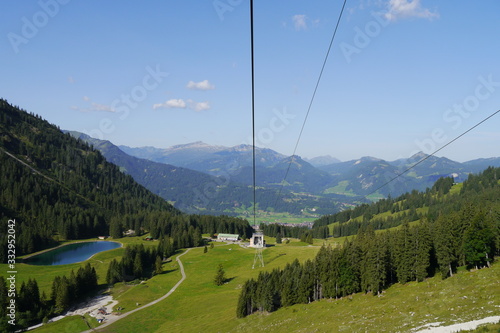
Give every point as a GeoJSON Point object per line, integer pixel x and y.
{"type": "Point", "coordinates": [129, 295]}
{"type": "Point", "coordinates": [466, 296]}
{"type": "Point", "coordinates": [199, 306]}
{"type": "Point", "coordinates": [420, 210]}
{"type": "Point", "coordinates": [69, 325]}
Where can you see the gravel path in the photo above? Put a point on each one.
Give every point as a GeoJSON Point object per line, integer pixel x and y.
{"type": "Point", "coordinates": [113, 318]}
{"type": "Point", "coordinates": [470, 325]}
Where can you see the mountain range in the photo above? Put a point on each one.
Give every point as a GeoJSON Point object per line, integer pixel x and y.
{"type": "Point", "coordinates": [197, 192]}
{"type": "Point", "coordinates": [181, 173]}
{"type": "Point", "coordinates": [214, 160]}
{"type": "Point", "coordinates": [321, 175]}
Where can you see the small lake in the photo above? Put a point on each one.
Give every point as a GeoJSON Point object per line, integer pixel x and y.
{"type": "Point", "coordinates": [71, 253]}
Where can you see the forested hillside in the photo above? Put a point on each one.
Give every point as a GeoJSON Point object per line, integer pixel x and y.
{"type": "Point", "coordinates": [178, 185]}
{"type": "Point", "coordinates": [443, 197]}
{"type": "Point", "coordinates": [53, 184]}
{"type": "Point", "coordinates": [463, 229]}
{"type": "Point", "coordinates": [57, 187]}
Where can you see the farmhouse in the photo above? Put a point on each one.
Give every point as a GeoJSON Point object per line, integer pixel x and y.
{"type": "Point", "coordinates": [129, 232]}
{"type": "Point", "coordinates": [228, 237]}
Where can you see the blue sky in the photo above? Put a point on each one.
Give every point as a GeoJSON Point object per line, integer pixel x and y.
{"type": "Point", "coordinates": [402, 75]}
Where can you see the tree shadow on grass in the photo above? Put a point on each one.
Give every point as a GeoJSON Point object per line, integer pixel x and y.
{"type": "Point", "coordinates": [230, 279]}
{"type": "Point", "coordinates": [276, 257]}
{"type": "Point", "coordinates": [166, 271]}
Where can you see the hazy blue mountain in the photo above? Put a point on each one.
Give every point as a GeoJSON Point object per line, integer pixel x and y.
{"type": "Point", "coordinates": [362, 176]}
{"type": "Point", "coordinates": [197, 192]}
{"type": "Point", "coordinates": [343, 167]}
{"type": "Point", "coordinates": [431, 168]}
{"type": "Point", "coordinates": [214, 160]}
{"type": "Point", "coordinates": [348, 179]}
{"type": "Point", "coordinates": [178, 155]}
{"type": "Point", "coordinates": [322, 160]}
{"type": "Point", "coordinates": [302, 176]}
{"type": "Point", "coordinates": [480, 164]}
{"type": "Point", "coordinates": [365, 175]}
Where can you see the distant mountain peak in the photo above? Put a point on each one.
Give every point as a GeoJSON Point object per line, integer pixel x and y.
{"type": "Point", "coordinates": [418, 156]}
{"type": "Point", "coordinates": [196, 144]}
{"type": "Point", "coordinates": [367, 159]}
{"type": "Point", "coordinates": [242, 147]}
{"type": "Point", "coordinates": [322, 160]}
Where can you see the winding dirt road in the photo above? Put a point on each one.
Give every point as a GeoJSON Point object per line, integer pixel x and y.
{"type": "Point", "coordinates": [113, 318]}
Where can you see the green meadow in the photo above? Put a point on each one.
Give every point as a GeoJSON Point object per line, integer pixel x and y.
{"type": "Point", "coordinates": [200, 306]}
{"type": "Point", "coordinates": [69, 325]}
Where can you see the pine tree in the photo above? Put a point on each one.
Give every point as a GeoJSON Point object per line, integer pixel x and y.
{"type": "Point", "coordinates": [115, 228]}
{"type": "Point", "coordinates": [114, 273]}
{"type": "Point", "coordinates": [75, 284]}
{"type": "Point", "coordinates": [366, 241]}
{"type": "Point", "coordinates": [197, 238]}
{"type": "Point", "coordinates": [264, 292]}
{"type": "Point", "coordinates": [478, 242]}
{"type": "Point", "coordinates": [33, 293]}
{"type": "Point", "coordinates": [422, 246]}
{"type": "Point", "coordinates": [309, 239]}
{"type": "Point", "coordinates": [205, 249]}
{"type": "Point", "coordinates": [374, 262]}
{"type": "Point", "coordinates": [306, 283]}
{"type": "Point", "coordinates": [220, 276]}
{"type": "Point", "coordinates": [349, 266]}
{"type": "Point", "coordinates": [403, 254]}
{"type": "Point", "coordinates": [323, 261]}
{"type": "Point", "coordinates": [62, 296]}
{"type": "Point", "coordinates": [278, 238]}
{"type": "Point", "coordinates": [138, 270]}
{"type": "Point", "coordinates": [245, 305]}
{"type": "Point", "coordinates": [158, 265]}
{"type": "Point", "coordinates": [444, 245]}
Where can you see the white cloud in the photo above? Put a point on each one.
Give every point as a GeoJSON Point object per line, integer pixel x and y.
{"type": "Point", "coordinates": [203, 85]}
{"type": "Point", "coordinates": [93, 106]}
{"type": "Point", "coordinates": [171, 103]}
{"type": "Point", "coordinates": [101, 107]}
{"type": "Point", "coordinates": [182, 104]}
{"type": "Point", "coordinates": [299, 22]}
{"type": "Point", "coordinates": [198, 106]}
{"type": "Point", "coordinates": [401, 9]}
